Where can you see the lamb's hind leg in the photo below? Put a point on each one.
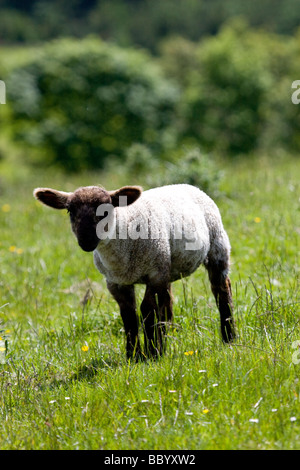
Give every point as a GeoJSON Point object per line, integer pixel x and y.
{"type": "Point", "coordinates": [156, 310]}
{"type": "Point", "coordinates": [125, 297]}
{"type": "Point", "coordinates": [221, 288]}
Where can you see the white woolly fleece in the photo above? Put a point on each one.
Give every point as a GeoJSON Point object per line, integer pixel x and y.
{"type": "Point", "coordinates": [171, 230]}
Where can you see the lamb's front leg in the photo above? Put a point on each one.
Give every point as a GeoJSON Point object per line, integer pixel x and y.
{"type": "Point", "coordinates": [125, 297]}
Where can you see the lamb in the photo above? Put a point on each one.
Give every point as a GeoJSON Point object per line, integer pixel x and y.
{"type": "Point", "coordinates": [151, 237]}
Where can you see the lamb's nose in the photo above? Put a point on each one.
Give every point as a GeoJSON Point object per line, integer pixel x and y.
{"type": "Point", "coordinates": [88, 245]}
{"type": "Point", "coordinates": [87, 240]}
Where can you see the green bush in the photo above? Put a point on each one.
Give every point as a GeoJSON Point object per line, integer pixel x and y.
{"type": "Point", "coordinates": [78, 102]}
{"type": "Point", "coordinates": [237, 97]}
{"type": "Point", "coordinates": [187, 164]}
{"type": "Point", "coordinates": [81, 101]}
{"type": "Point", "coordinates": [190, 166]}
{"type": "Point", "coordinates": [224, 98]}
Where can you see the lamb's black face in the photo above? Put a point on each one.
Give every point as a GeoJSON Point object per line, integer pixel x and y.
{"type": "Point", "coordinates": [82, 208]}
{"type": "Point", "coordinates": [83, 222]}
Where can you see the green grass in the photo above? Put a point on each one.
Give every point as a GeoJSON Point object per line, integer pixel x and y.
{"type": "Point", "coordinates": [54, 395]}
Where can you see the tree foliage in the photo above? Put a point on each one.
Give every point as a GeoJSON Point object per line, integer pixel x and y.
{"type": "Point", "coordinates": [141, 22]}
{"type": "Point", "coordinates": [81, 101]}
{"type": "Point", "coordinates": [236, 89]}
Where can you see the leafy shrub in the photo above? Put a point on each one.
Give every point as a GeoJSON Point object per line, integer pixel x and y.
{"type": "Point", "coordinates": [16, 27]}
{"type": "Point", "coordinates": [140, 159]}
{"type": "Point", "coordinates": [81, 101]}
{"type": "Point", "coordinates": [179, 59]}
{"type": "Point", "coordinates": [185, 165]}
{"type": "Point", "coordinates": [190, 166]}
{"type": "Point", "coordinates": [281, 115]}
{"type": "Point", "coordinates": [224, 99]}
{"type": "Point", "coordinates": [237, 89]}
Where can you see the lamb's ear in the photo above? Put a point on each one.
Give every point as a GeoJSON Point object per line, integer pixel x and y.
{"type": "Point", "coordinates": [131, 192]}
{"type": "Point", "coordinates": [52, 198]}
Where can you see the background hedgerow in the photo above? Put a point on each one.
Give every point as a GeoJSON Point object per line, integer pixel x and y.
{"type": "Point", "coordinates": [80, 102]}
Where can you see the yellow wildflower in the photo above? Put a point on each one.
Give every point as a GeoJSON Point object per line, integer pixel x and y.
{"type": "Point", "coordinates": [190, 353]}
{"type": "Point", "coordinates": [14, 249]}
{"type": "Point", "coordinates": [84, 348]}
{"type": "Point", "coordinates": [6, 208]}
{"type": "Point", "coordinates": [257, 220]}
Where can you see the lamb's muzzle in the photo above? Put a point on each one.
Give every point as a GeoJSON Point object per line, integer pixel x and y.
{"type": "Point", "coordinates": [159, 236]}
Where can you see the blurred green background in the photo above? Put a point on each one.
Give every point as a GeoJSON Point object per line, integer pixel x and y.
{"type": "Point", "coordinates": [93, 82]}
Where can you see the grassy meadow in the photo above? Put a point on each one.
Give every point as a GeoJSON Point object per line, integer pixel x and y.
{"type": "Point", "coordinates": [64, 379]}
